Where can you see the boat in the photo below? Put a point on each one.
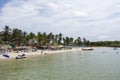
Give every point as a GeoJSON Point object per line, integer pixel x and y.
{"type": "Point", "coordinates": [6, 55]}
{"type": "Point", "coordinates": [87, 49]}
{"type": "Point", "coordinates": [21, 56]}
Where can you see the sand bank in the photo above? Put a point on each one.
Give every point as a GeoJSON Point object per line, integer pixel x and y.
{"type": "Point", "coordinates": [13, 55]}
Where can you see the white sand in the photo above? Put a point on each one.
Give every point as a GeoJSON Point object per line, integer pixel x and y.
{"type": "Point", "coordinates": [39, 52]}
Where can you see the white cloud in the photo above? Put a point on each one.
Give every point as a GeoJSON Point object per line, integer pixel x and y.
{"type": "Point", "coordinates": [103, 37]}
{"type": "Point", "coordinates": [53, 5]}
{"type": "Point", "coordinates": [93, 19]}
{"type": "Point", "coordinates": [80, 14]}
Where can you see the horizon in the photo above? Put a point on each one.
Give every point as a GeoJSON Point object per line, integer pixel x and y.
{"type": "Point", "coordinates": [94, 20]}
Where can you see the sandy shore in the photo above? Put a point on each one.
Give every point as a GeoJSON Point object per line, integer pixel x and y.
{"type": "Point", "coordinates": [13, 55]}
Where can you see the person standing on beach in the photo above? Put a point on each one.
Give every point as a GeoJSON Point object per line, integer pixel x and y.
{"type": "Point", "coordinates": [41, 51]}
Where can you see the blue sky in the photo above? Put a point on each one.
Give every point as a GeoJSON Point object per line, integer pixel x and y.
{"type": "Point", "coordinates": [2, 2]}
{"type": "Point", "coordinates": [95, 20]}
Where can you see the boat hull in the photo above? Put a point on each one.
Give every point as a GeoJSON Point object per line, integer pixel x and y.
{"type": "Point", "coordinates": [21, 56]}
{"type": "Point", "coordinates": [87, 49]}
{"type": "Point", "coordinates": [5, 55]}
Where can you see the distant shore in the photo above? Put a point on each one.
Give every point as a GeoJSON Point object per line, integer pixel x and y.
{"type": "Point", "coordinates": [13, 55]}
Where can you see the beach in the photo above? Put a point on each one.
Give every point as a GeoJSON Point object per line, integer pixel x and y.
{"type": "Point", "coordinates": [13, 55]}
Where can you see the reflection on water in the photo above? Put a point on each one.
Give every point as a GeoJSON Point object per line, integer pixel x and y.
{"type": "Point", "coordinates": [99, 64]}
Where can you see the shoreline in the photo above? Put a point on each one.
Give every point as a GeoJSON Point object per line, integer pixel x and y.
{"type": "Point", "coordinates": [13, 55]}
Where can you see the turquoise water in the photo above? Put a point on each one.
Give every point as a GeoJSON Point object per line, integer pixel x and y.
{"type": "Point", "coordinates": [99, 64]}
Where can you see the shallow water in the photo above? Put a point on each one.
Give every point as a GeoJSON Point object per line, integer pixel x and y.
{"type": "Point", "coordinates": [99, 64]}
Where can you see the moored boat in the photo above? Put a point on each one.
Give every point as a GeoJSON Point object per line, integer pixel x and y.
{"type": "Point", "coordinates": [87, 49]}
{"type": "Point", "coordinates": [6, 55]}
{"type": "Point", "coordinates": [21, 56]}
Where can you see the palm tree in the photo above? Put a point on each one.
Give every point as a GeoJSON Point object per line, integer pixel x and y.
{"type": "Point", "coordinates": [84, 41]}
{"type": "Point", "coordinates": [32, 39]}
{"type": "Point", "coordinates": [6, 34]}
{"type": "Point", "coordinates": [17, 37]}
{"type": "Point", "coordinates": [25, 42]}
{"type": "Point", "coordinates": [44, 38]}
{"type": "Point", "coordinates": [71, 40]}
{"type": "Point", "coordinates": [79, 42]}
{"type": "Point", "coordinates": [25, 34]}
{"type": "Point", "coordinates": [66, 40]}
{"type": "Point", "coordinates": [39, 38]}
{"type": "Point", "coordinates": [32, 35]}
{"type": "Point", "coordinates": [60, 38]}
{"type": "Point", "coordinates": [56, 39]}
{"type": "Point", "coordinates": [50, 38]}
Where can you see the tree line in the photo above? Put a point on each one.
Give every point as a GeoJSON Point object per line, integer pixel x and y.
{"type": "Point", "coordinates": [106, 43]}
{"type": "Point", "coordinates": [17, 37]}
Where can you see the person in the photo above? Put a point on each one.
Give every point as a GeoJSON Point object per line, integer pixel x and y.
{"type": "Point", "coordinates": [41, 51]}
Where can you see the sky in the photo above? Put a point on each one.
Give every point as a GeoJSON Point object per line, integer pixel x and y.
{"type": "Point", "coordinates": [96, 20]}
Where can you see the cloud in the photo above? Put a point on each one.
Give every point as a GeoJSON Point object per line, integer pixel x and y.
{"type": "Point", "coordinates": [103, 37]}
{"type": "Point", "coordinates": [93, 19]}
{"type": "Point", "coordinates": [53, 5]}
{"type": "Point", "coordinates": [80, 14]}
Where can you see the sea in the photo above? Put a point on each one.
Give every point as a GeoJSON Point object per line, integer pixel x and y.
{"type": "Point", "coordinates": [102, 63]}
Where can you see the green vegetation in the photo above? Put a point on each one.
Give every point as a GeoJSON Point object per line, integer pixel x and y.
{"type": "Point", "coordinates": [16, 37]}
{"type": "Point", "coordinates": [106, 43]}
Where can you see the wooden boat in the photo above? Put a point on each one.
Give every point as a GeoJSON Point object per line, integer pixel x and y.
{"type": "Point", "coordinates": [87, 49]}
{"type": "Point", "coordinates": [21, 56]}
{"type": "Point", "coordinates": [6, 55]}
